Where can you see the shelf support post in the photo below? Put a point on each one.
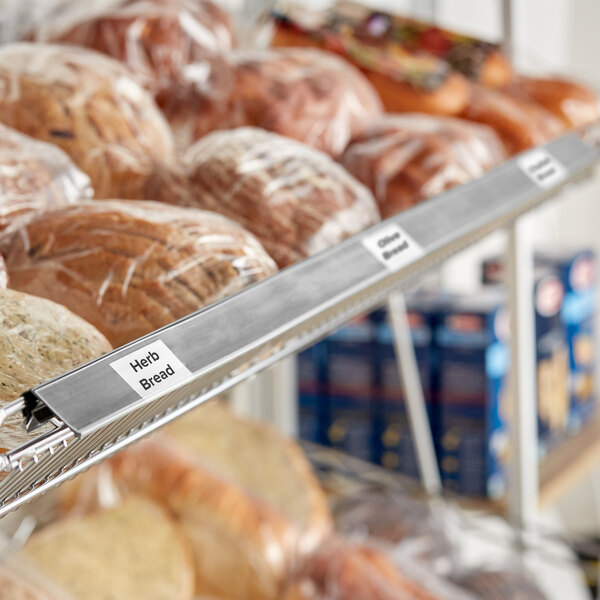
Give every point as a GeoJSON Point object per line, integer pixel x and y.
{"type": "Point", "coordinates": [523, 485]}
{"type": "Point", "coordinates": [413, 393]}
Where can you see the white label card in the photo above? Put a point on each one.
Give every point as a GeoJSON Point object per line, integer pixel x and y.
{"type": "Point", "coordinates": [151, 369]}
{"type": "Point", "coordinates": [393, 247]}
{"type": "Point", "coordinates": [540, 166]}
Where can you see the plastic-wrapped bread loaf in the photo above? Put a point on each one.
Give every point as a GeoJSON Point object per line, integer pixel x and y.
{"type": "Point", "coordinates": [520, 124]}
{"type": "Point", "coordinates": [309, 95]}
{"type": "Point", "coordinates": [177, 49]}
{"type": "Point", "coordinates": [132, 551]}
{"type": "Point", "coordinates": [90, 106]}
{"type": "Point", "coordinates": [250, 515]}
{"type": "Point", "coordinates": [405, 159]}
{"type": "Point", "coordinates": [295, 199]}
{"type": "Point", "coordinates": [38, 340]}
{"type": "Point", "coordinates": [342, 571]}
{"type": "Point", "coordinates": [574, 104]}
{"type": "Point", "coordinates": [132, 267]}
{"type": "Point", "coordinates": [35, 176]}
{"type": "Point", "coordinates": [15, 586]}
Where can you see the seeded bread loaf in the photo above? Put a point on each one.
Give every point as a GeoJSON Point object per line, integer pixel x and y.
{"type": "Point", "coordinates": [295, 199]}
{"type": "Point", "coordinates": [307, 94]}
{"type": "Point", "coordinates": [404, 159]}
{"type": "Point", "coordinates": [131, 551]}
{"type": "Point", "coordinates": [132, 267]}
{"type": "Point", "coordinates": [38, 340]}
{"type": "Point", "coordinates": [90, 106]}
{"type": "Point", "coordinates": [35, 176]}
{"type": "Point", "coordinates": [177, 49]}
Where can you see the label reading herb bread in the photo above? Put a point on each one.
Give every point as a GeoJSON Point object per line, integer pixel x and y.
{"type": "Point", "coordinates": [393, 247]}
{"type": "Point", "coordinates": [151, 369]}
{"type": "Point", "coordinates": [542, 168]}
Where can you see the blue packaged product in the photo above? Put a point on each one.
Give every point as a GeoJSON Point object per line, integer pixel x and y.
{"type": "Point", "coordinates": [577, 273]}
{"type": "Point", "coordinates": [473, 397]}
{"type": "Point", "coordinates": [351, 363]}
{"type": "Point", "coordinates": [312, 403]}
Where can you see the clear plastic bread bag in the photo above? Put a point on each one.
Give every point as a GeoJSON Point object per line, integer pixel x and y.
{"type": "Point", "coordinates": [404, 159]}
{"type": "Point", "coordinates": [295, 199]}
{"type": "Point", "coordinates": [343, 570]}
{"type": "Point", "coordinates": [91, 107]}
{"type": "Point", "coordinates": [130, 267]}
{"type": "Point", "coordinates": [242, 547]}
{"type": "Point", "coordinates": [307, 94]}
{"type": "Point", "coordinates": [177, 49]}
{"type": "Point", "coordinates": [35, 176]}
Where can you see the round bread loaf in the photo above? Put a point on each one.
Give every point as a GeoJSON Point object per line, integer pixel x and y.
{"type": "Point", "coordinates": [35, 176]}
{"type": "Point", "coordinates": [132, 267]}
{"type": "Point", "coordinates": [404, 159]}
{"type": "Point", "coordinates": [574, 104]}
{"type": "Point", "coordinates": [307, 94]}
{"type": "Point", "coordinates": [176, 48]}
{"type": "Point", "coordinates": [131, 551]}
{"type": "Point", "coordinates": [295, 199]}
{"type": "Point", "coordinates": [520, 124]}
{"type": "Point", "coordinates": [38, 340]}
{"type": "Point", "coordinates": [345, 571]}
{"type": "Point", "coordinates": [89, 106]}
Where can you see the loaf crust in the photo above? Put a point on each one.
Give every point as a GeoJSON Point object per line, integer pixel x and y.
{"type": "Point", "coordinates": [520, 124]}
{"type": "Point", "coordinates": [574, 104]}
{"type": "Point", "coordinates": [177, 49]}
{"type": "Point", "coordinates": [132, 267]}
{"type": "Point", "coordinates": [89, 106]}
{"type": "Point", "coordinates": [38, 340]}
{"type": "Point", "coordinates": [344, 571]}
{"type": "Point", "coordinates": [132, 551]}
{"type": "Point", "coordinates": [404, 159]}
{"type": "Point", "coordinates": [242, 548]}
{"type": "Point", "coordinates": [272, 467]}
{"type": "Point", "coordinates": [296, 200]}
{"type": "Point", "coordinates": [309, 95]}
{"type": "Point", "coordinates": [35, 176]}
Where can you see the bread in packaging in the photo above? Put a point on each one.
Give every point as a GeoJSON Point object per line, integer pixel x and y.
{"type": "Point", "coordinates": [243, 549]}
{"type": "Point", "coordinates": [272, 467]}
{"type": "Point", "coordinates": [3, 274]}
{"type": "Point", "coordinates": [574, 104]}
{"type": "Point", "coordinates": [306, 94]}
{"type": "Point", "coordinates": [520, 124]}
{"type": "Point", "coordinates": [35, 176]}
{"type": "Point", "coordinates": [131, 551]}
{"type": "Point", "coordinates": [295, 199]}
{"type": "Point", "coordinates": [38, 340]}
{"type": "Point", "coordinates": [249, 515]}
{"type": "Point", "coordinates": [90, 106]}
{"type": "Point", "coordinates": [404, 159]}
{"type": "Point", "coordinates": [340, 570]}
{"type": "Point", "coordinates": [15, 586]}
{"type": "Point", "coordinates": [177, 49]}
{"type": "Point", "coordinates": [130, 267]}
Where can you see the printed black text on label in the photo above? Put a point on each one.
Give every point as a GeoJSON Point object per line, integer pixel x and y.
{"type": "Point", "coordinates": [393, 247]}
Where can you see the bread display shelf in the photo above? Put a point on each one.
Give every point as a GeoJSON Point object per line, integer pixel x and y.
{"type": "Point", "coordinates": [104, 405]}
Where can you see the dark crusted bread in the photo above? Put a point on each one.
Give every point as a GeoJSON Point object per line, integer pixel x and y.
{"type": "Point", "coordinates": [35, 176]}
{"type": "Point", "coordinates": [132, 267]}
{"type": "Point", "coordinates": [407, 158]}
{"type": "Point", "coordinates": [295, 199]}
{"type": "Point", "coordinates": [307, 94]}
{"type": "Point", "coordinates": [177, 49]}
{"type": "Point", "coordinates": [90, 106]}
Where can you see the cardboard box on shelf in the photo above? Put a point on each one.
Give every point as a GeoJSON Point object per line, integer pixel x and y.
{"type": "Point", "coordinates": [473, 403]}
